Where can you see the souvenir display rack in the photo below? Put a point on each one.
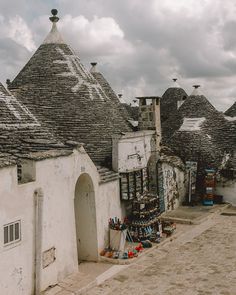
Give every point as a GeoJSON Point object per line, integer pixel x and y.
{"type": "Point", "coordinates": [143, 222]}
{"type": "Point", "coordinates": [210, 181]}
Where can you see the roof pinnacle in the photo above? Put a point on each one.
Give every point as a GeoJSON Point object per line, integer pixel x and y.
{"type": "Point", "coordinates": [54, 18]}
{"type": "Point", "coordinates": [175, 84]}
{"type": "Point", "coordinates": [54, 37]}
{"type": "Point", "coordinates": [93, 69]}
{"type": "Point", "coordinates": [196, 90]}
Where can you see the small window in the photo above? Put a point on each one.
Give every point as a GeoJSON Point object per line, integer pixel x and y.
{"type": "Point", "coordinates": [12, 232]}
{"type": "Point", "coordinates": [19, 172]}
{"type": "Point", "coordinates": [26, 171]}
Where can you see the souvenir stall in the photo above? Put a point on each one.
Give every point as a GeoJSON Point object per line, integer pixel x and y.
{"type": "Point", "coordinates": [210, 183]}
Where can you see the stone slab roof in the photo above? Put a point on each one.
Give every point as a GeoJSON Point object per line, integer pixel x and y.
{"type": "Point", "coordinates": [168, 156]}
{"type": "Point", "coordinates": [209, 141]}
{"type": "Point", "coordinates": [21, 133]}
{"type": "Point", "coordinates": [133, 111]}
{"type": "Point", "coordinates": [231, 111]}
{"type": "Point", "coordinates": [111, 94]}
{"type": "Point", "coordinates": [70, 100]}
{"type": "Point", "coordinates": [169, 102]}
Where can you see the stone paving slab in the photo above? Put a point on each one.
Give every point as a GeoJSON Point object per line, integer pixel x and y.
{"type": "Point", "coordinates": [81, 283]}
{"type": "Point", "coordinates": [200, 261]}
{"type": "Point", "coordinates": [193, 214]}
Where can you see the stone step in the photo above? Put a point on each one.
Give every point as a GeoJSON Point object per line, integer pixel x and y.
{"type": "Point", "coordinates": [76, 283]}
{"type": "Point", "coordinates": [107, 175]}
{"type": "Point", "coordinates": [108, 179]}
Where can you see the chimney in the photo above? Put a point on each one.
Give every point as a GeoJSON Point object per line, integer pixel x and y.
{"type": "Point", "coordinates": [196, 90]}
{"type": "Point", "coordinates": [149, 115]}
{"type": "Point", "coordinates": [93, 68]}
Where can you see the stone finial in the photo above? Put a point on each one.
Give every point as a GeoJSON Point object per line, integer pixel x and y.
{"type": "Point", "coordinates": [196, 90]}
{"type": "Point", "coordinates": [54, 18]}
{"type": "Point", "coordinates": [54, 37]}
{"type": "Point", "coordinates": [93, 69]}
{"type": "Point", "coordinates": [120, 96]}
{"type": "Point", "coordinates": [8, 82]}
{"type": "Point", "coordinates": [175, 83]}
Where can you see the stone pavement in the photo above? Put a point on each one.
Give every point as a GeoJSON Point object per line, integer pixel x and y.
{"type": "Point", "coordinates": [165, 263]}
{"type": "Point", "coordinates": [200, 261]}
{"type": "Point", "coordinates": [91, 274]}
{"type": "Point", "coordinates": [193, 214]}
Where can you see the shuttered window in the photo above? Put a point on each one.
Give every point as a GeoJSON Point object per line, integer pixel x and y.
{"type": "Point", "coordinates": [12, 232]}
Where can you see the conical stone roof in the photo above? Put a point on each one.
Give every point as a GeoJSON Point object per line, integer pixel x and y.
{"type": "Point", "coordinates": [208, 137]}
{"type": "Point", "coordinates": [68, 98]}
{"type": "Point", "coordinates": [21, 134]}
{"type": "Point", "coordinates": [195, 106]}
{"type": "Point", "coordinates": [169, 100]}
{"type": "Point", "coordinates": [231, 111]}
{"type": "Point", "coordinates": [109, 91]}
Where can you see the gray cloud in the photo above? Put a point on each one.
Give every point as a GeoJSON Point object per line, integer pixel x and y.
{"type": "Point", "coordinates": [12, 58]}
{"type": "Point", "coordinates": [141, 46]}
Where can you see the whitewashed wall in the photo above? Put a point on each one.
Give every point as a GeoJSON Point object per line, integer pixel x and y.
{"type": "Point", "coordinates": [132, 150]}
{"type": "Point", "coordinates": [57, 178]}
{"type": "Point", "coordinates": [108, 205]}
{"type": "Point", "coordinates": [16, 203]}
{"type": "Point", "coordinates": [173, 185]}
{"type": "Point", "coordinates": [228, 191]}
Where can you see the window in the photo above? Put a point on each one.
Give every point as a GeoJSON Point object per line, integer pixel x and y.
{"type": "Point", "coordinates": [12, 232]}
{"type": "Point", "coordinates": [19, 172]}
{"type": "Point", "coordinates": [26, 171]}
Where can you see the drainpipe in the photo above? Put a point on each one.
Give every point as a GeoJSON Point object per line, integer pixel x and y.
{"type": "Point", "coordinates": [38, 230]}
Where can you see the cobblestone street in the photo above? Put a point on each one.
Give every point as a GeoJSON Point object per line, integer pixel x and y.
{"type": "Point", "coordinates": [200, 261]}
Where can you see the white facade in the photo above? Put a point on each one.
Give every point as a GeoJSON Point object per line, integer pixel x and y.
{"type": "Point", "coordinates": [174, 188]}
{"type": "Point", "coordinates": [132, 150]}
{"type": "Point", "coordinates": [56, 178]}
{"type": "Point", "coordinates": [228, 190]}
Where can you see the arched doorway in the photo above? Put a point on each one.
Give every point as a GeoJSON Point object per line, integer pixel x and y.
{"type": "Point", "coordinates": [85, 219]}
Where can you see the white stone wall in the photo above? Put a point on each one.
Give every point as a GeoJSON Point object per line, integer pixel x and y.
{"type": "Point", "coordinates": [228, 191]}
{"type": "Point", "coordinates": [108, 205]}
{"type": "Point", "coordinates": [132, 150]}
{"type": "Point", "coordinates": [57, 178]}
{"type": "Point", "coordinates": [174, 186]}
{"type": "Point", "coordinates": [16, 203]}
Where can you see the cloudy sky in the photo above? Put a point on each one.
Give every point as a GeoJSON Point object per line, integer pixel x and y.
{"type": "Point", "coordinates": [139, 45]}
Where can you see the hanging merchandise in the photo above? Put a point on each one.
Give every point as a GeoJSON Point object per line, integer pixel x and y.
{"type": "Point", "coordinates": [143, 221]}
{"type": "Point", "coordinates": [192, 177]}
{"type": "Point", "coordinates": [210, 181]}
